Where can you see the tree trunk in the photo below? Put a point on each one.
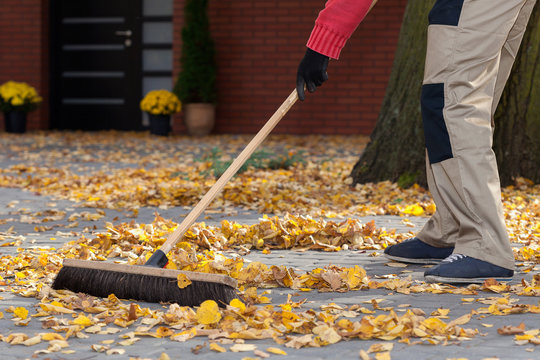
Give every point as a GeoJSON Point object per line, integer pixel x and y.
{"type": "Point", "coordinates": [396, 151]}
{"type": "Point", "coordinates": [517, 119]}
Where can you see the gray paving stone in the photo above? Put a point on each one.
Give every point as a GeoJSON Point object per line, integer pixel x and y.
{"type": "Point", "coordinates": [490, 344]}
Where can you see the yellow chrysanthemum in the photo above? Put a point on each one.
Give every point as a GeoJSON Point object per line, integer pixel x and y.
{"type": "Point", "coordinates": [161, 102]}
{"type": "Point", "coordinates": [18, 96]}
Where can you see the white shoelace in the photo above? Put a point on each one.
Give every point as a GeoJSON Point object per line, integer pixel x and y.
{"type": "Point", "coordinates": [453, 258]}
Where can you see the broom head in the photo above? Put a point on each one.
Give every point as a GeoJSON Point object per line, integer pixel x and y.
{"type": "Point", "coordinates": [143, 283]}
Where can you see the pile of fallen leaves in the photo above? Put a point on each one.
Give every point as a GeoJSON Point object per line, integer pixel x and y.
{"type": "Point", "coordinates": [218, 250]}
{"type": "Point", "coordinates": [214, 250]}
{"type": "Point", "coordinates": [97, 172]}
{"type": "Point", "coordinates": [320, 187]}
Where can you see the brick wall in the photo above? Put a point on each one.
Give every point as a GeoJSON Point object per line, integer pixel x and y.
{"type": "Point", "coordinates": [259, 45]}
{"type": "Point", "coordinates": [24, 50]}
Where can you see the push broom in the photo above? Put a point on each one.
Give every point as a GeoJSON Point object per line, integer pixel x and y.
{"type": "Point", "coordinates": [151, 282]}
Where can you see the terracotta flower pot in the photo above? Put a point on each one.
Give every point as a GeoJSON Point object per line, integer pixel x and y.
{"type": "Point", "coordinates": [199, 118]}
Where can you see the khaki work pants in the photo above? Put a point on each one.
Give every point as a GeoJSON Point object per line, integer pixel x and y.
{"type": "Point", "coordinates": [472, 45]}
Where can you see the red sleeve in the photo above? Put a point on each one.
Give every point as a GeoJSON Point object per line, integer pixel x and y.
{"type": "Point", "coordinates": [335, 25]}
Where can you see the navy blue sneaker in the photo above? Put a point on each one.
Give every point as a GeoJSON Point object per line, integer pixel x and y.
{"type": "Point", "coordinates": [463, 269]}
{"type": "Point", "coordinates": [415, 251]}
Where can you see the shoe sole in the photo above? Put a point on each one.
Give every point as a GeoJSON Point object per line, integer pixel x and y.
{"type": "Point", "coordinates": [414, 261]}
{"type": "Point", "coordinates": [448, 280]}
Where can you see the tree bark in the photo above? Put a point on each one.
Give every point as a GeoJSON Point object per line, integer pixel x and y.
{"type": "Point", "coordinates": [396, 151]}
{"type": "Point", "coordinates": [517, 119]}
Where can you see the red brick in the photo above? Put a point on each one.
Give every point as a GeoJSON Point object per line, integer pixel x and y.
{"type": "Point", "coordinates": [259, 45]}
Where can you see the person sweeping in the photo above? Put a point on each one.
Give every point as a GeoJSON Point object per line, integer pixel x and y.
{"type": "Point", "coordinates": [471, 47]}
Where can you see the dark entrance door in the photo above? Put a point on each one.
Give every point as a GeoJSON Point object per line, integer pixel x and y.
{"type": "Point", "coordinates": [96, 64]}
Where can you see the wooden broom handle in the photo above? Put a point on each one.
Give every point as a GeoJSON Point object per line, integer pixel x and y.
{"type": "Point", "coordinates": [229, 173]}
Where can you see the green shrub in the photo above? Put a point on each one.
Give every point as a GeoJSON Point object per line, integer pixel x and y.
{"type": "Point", "coordinates": [261, 159]}
{"type": "Point", "coordinates": [196, 82]}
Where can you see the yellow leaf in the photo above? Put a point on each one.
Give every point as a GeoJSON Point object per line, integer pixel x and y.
{"type": "Point", "coordinates": [32, 341]}
{"type": "Point", "coordinates": [243, 347]}
{"type": "Point", "coordinates": [51, 336]}
{"type": "Point", "coordinates": [383, 356]}
{"type": "Point", "coordinates": [523, 337]}
{"type": "Point", "coordinates": [82, 320]}
{"type": "Point", "coordinates": [164, 356]}
{"type": "Point", "coordinates": [415, 210]}
{"type": "Point", "coordinates": [123, 322]}
{"type": "Point", "coordinates": [20, 312]}
{"type": "Point", "coordinates": [435, 324]}
{"type": "Point", "coordinates": [163, 331]}
{"type": "Point", "coordinates": [276, 351]}
{"type": "Point", "coordinates": [208, 313]}
{"type": "Point", "coordinates": [238, 304]}
{"type": "Point", "coordinates": [16, 338]}
{"type": "Point", "coordinates": [129, 341]}
{"type": "Point", "coordinates": [215, 347]}
{"type": "Point", "coordinates": [440, 312]}
{"type": "Point", "coordinates": [53, 308]}
{"type": "Point", "coordinates": [183, 281]}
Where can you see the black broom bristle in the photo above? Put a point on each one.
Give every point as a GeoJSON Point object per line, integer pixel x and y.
{"type": "Point", "coordinates": [102, 283]}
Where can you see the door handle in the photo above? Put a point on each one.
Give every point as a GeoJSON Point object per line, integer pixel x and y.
{"type": "Point", "coordinates": [126, 33]}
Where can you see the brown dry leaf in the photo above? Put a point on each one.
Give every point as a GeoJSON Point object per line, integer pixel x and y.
{"type": "Point", "coordinates": [512, 330]}
{"type": "Point", "coordinates": [32, 341]}
{"type": "Point", "coordinates": [132, 315]}
{"type": "Point", "coordinates": [197, 349]}
{"type": "Point", "coordinates": [363, 355]}
{"type": "Point", "coordinates": [262, 354]}
{"type": "Point", "coordinates": [441, 312]}
{"type": "Point", "coordinates": [380, 347]}
{"type": "Point", "coordinates": [396, 264]}
{"type": "Point", "coordinates": [115, 351]}
{"type": "Point", "coordinates": [326, 334]}
{"type": "Point", "coordinates": [333, 279]}
{"type": "Point", "coordinates": [99, 348]}
{"type": "Point", "coordinates": [298, 342]}
{"type": "Point", "coordinates": [460, 320]}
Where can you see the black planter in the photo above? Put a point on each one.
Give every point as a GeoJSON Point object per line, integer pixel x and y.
{"type": "Point", "coordinates": [15, 122]}
{"type": "Point", "coordinates": [160, 124]}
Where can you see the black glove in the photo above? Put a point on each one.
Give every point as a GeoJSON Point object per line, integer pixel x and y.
{"type": "Point", "coordinates": [311, 72]}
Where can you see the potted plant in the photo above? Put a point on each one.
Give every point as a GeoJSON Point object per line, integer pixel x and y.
{"type": "Point", "coordinates": [16, 100]}
{"type": "Point", "coordinates": [160, 105]}
{"type": "Point", "coordinates": [196, 83]}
